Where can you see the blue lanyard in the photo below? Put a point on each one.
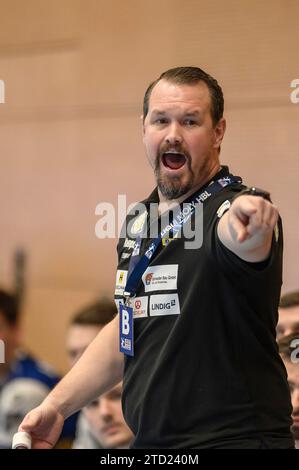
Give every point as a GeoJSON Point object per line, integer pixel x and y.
{"type": "Point", "coordinates": [138, 265]}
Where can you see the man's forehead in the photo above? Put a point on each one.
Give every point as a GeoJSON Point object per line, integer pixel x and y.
{"type": "Point", "coordinates": [81, 332]}
{"type": "Point", "coordinates": [194, 95]}
{"type": "Point", "coordinates": [117, 389]}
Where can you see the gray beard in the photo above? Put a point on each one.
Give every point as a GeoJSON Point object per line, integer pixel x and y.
{"type": "Point", "coordinates": [173, 189]}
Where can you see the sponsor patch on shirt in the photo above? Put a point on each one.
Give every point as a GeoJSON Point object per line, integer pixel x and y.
{"type": "Point", "coordinates": [139, 305]}
{"type": "Point", "coordinates": [129, 244]}
{"type": "Point", "coordinates": [120, 282]}
{"type": "Point", "coordinates": [223, 208]}
{"type": "Point", "coordinates": [165, 304]}
{"type": "Point", "coordinates": [163, 277]}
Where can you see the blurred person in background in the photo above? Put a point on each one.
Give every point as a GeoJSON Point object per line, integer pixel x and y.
{"type": "Point", "coordinates": [16, 398]}
{"type": "Point", "coordinates": [289, 350]}
{"type": "Point", "coordinates": [85, 325]}
{"type": "Point", "coordinates": [101, 424]}
{"type": "Point", "coordinates": [106, 422]}
{"type": "Point", "coordinates": [24, 380]}
{"type": "Point", "coordinates": [288, 320]}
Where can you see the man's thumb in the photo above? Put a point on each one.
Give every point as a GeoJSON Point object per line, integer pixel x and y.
{"type": "Point", "coordinates": [30, 421]}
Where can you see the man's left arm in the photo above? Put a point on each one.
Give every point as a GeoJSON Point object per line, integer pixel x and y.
{"type": "Point", "coordinates": [247, 227]}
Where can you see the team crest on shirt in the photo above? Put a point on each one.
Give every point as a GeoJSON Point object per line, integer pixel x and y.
{"type": "Point", "coordinates": [139, 223]}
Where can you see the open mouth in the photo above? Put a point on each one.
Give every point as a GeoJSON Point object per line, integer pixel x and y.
{"type": "Point", "coordinates": [173, 160]}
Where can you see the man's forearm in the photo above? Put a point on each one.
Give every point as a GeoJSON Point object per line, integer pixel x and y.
{"type": "Point", "coordinates": [98, 370]}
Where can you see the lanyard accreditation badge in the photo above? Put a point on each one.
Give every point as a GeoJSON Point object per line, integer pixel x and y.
{"type": "Point", "coordinates": [139, 264]}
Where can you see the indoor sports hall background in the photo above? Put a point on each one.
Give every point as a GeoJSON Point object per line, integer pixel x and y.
{"type": "Point", "coordinates": [73, 74]}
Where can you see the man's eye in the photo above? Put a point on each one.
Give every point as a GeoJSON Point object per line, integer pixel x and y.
{"type": "Point", "coordinates": [161, 121]}
{"type": "Point", "coordinates": [189, 122]}
{"type": "Point", "coordinates": [93, 404]}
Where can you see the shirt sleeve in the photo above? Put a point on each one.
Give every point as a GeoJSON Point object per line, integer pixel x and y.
{"type": "Point", "coordinates": [262, 276]}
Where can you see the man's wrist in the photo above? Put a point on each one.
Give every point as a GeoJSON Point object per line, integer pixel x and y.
{"type": "Point", "coordinates": [53, 402]}
{"type": "Point", "coordinates": [254, 191]}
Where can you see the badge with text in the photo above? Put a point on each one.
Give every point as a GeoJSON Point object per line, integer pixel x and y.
{"type": "Point", "coordinates": [126, 330]}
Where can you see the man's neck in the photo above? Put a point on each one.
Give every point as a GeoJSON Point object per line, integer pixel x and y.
{"type": "Point", "coordinates": [166, 204]}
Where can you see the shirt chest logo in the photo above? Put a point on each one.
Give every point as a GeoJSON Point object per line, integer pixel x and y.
{"type": "Point", "coordinates": [165, 304]}
{"type": "Point", "coordinates": [140, 307]}
{"type": "Point", "coordinates": [162, 277]}
{"type": "Point", "coordinates": [121, 279]}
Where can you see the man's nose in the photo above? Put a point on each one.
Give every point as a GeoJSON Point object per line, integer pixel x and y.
{"type": "Point", "coordinates": [105, 408]}
{"type": "Point", "coordinates": [173, 136]}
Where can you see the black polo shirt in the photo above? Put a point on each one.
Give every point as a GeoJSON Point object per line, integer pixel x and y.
{"type": "Point", "coordinates": [206, 371]}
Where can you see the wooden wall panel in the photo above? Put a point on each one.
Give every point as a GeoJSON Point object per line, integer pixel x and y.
{"type": "Point", "coordinates": [75, 72]}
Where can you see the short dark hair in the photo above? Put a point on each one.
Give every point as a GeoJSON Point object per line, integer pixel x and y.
{"type": "Point", "coordinates": [9, 307]}
{"type": "Point", "coordinates": [289, 300]}
{"type": "Point", "coordinates": [99, 313]}
{"type": "Point", "coordinates": [190, 76]}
